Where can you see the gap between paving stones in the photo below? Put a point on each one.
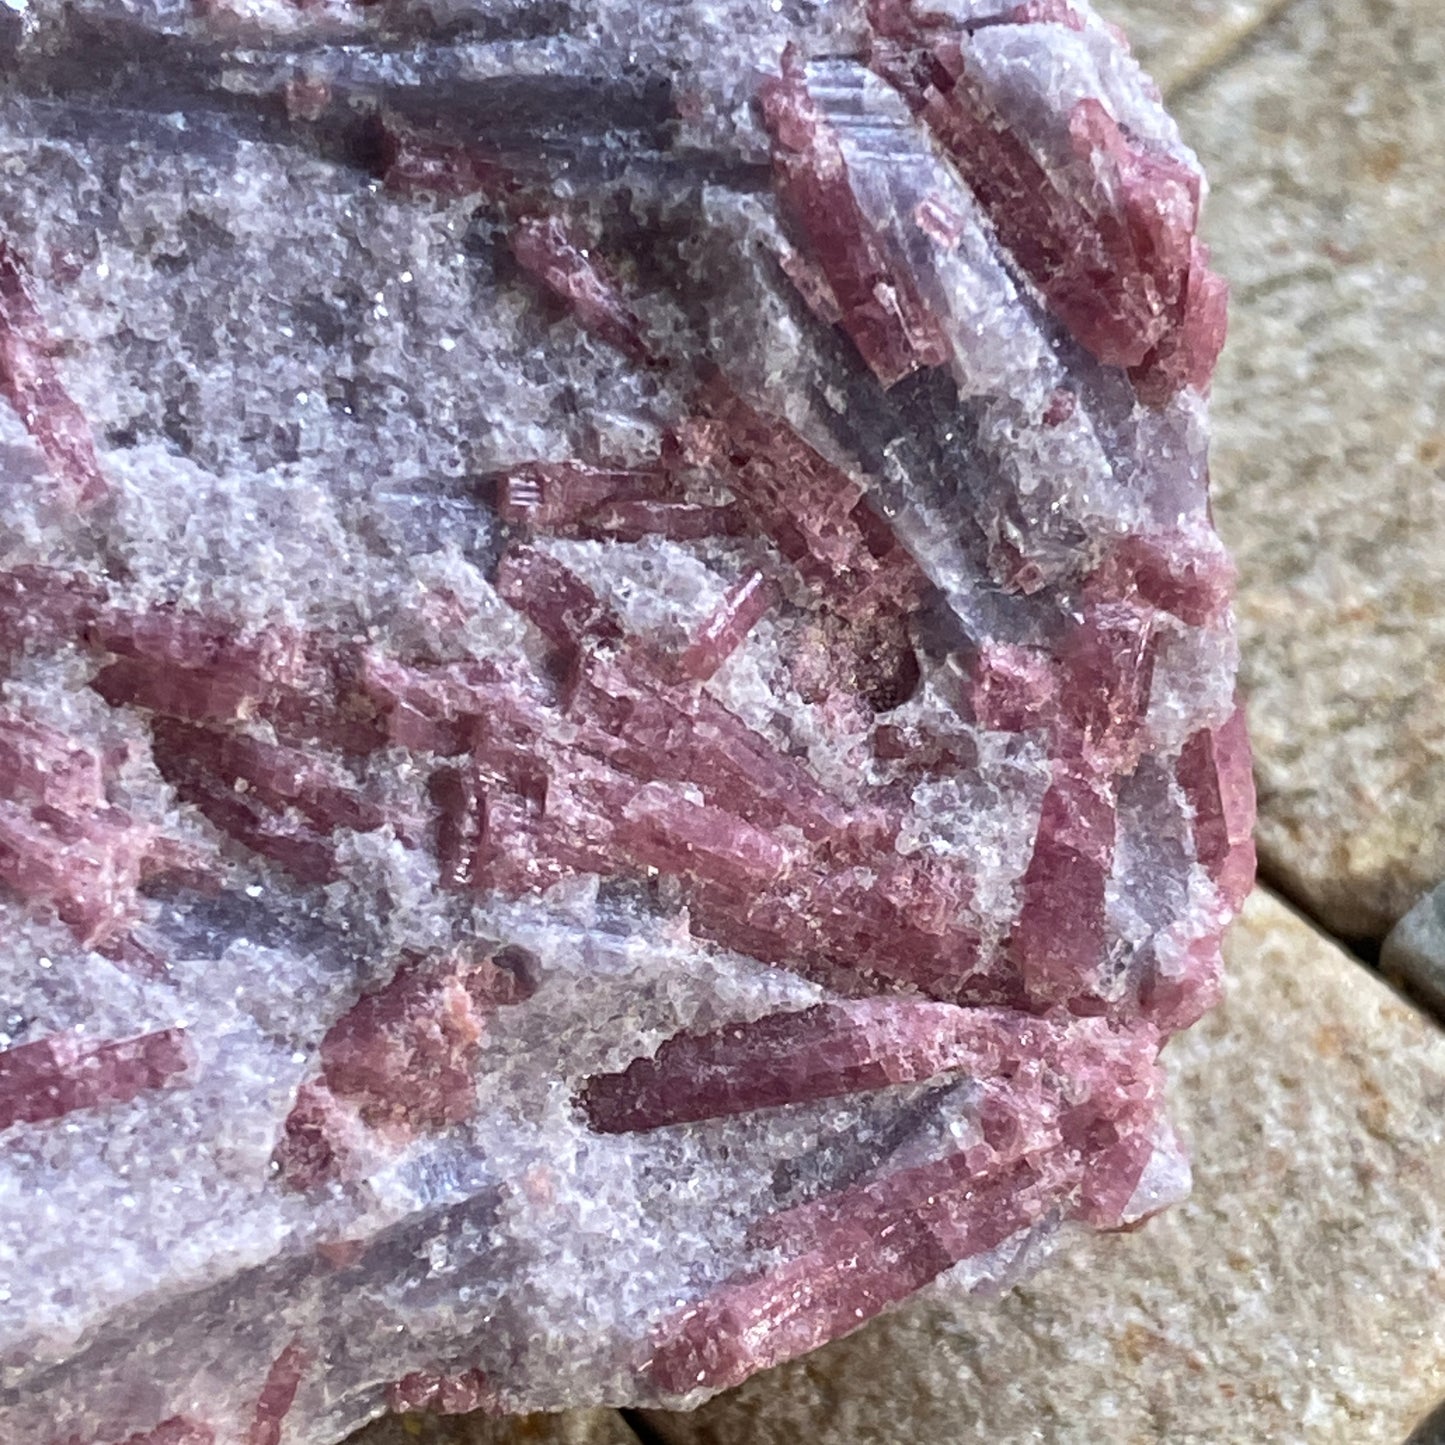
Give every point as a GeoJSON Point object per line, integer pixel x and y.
{"type": "Point", "coordinates": [646, 1435]}
{"type": "Point", "coordinates": [1365, 952]}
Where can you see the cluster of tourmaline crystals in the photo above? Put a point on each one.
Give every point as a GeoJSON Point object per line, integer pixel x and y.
{"type": "Point", "coordinates": [617, 742]}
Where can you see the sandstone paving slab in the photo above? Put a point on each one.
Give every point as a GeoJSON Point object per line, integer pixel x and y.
{"type": "Point", "coordinates": [1298, 1296]}
{"type": "Point", "coordinates": [1325, 144]}
{"type": "Point", "coordinates": [1414, 953]}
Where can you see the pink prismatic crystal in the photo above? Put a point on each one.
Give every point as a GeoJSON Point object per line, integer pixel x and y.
{"type": "Point", "coordinates": [618, 742]}
{"type": "Point", "coordinates": [51, 1077]}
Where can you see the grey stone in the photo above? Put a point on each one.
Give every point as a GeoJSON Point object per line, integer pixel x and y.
{"type": "Point", "coordinates": [1431, 1430]}
{"type": "Point", "coordinates": [1414, 953]}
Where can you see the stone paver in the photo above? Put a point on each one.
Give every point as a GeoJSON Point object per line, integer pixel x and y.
{"type": "Point", "coordinates": [1325, 141]}
{"type": "Point", "coordinates": [1298, 1297]}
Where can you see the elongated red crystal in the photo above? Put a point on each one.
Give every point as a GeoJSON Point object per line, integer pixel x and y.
{"type": "Point", "coordinates": [55, 1076]}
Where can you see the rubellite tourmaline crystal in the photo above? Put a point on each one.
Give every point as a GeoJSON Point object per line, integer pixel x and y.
{"type": "Point", "coordinates": [617, 742]}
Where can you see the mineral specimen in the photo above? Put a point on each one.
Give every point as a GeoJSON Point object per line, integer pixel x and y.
{"type": "Point", "coordinates": [617, 742]}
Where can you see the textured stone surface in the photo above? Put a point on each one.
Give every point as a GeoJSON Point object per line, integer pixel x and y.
{"type": "Point", "coordinates": [618, 742]}
{"type": "Point", "coordinates": [1325, 142]}
{"type": "Point", "coordinates": [1299, 1295]}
